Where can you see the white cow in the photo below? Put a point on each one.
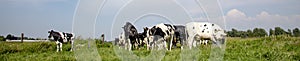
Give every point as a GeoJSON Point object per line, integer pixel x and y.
{"type": "Point", "coordinates": [202, 32]}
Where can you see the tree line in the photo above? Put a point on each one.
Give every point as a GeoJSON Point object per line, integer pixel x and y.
{"type": "Point", "coordinates": [259, 32]}
{"type": "Point", "coordinates": [12, 37]}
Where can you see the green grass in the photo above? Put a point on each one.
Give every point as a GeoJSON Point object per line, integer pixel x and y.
{"type": "Point", "coordinates": [275, 48]}
{"type": "Point", "coordinates": [14, 51]}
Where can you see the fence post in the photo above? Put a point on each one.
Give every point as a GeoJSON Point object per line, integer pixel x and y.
{"type": "Point", "coordinates": [22, 37]}
{"type": "Point", "coordinates": [102, 36]}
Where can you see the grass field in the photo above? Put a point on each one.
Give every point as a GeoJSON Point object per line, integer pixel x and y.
{"type": "Point", "coordinates": [279, 48]}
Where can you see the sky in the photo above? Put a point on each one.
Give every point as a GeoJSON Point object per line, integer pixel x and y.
{"type": "Point", "coordinates": [35, 17]}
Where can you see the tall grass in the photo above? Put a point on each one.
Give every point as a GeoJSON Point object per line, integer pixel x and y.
{"type": "Point", "coordinates": [15, 51]}
{"type": "Point", "coordinates": [274, 48]}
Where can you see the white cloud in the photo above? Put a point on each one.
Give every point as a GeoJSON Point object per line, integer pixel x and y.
{"type": "Point", "coordinates": [238, 19]}
{"type": "Point", "coordinates": [235, 14]}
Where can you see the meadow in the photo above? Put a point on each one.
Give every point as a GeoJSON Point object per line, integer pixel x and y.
{"type": "Point", "coordinates": [274, 48]}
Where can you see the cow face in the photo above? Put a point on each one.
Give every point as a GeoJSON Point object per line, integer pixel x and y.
{"type": "Point", "coordinates": [129, 29]}
{"type": "Point", "coordinates": [219, 34]}
{"type": "Point", "coordinates": [50, 33]}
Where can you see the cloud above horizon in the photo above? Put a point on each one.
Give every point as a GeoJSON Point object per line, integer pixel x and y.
{"type": "Point", "coordinates": [238, 19]}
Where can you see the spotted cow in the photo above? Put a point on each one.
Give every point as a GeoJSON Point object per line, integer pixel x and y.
{"type": "Point", "coordinates": [202, 32]}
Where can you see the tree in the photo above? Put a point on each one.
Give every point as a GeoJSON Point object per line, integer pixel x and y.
{"type": "Point", "coordinates": [2, 38]}
{"type": "Point", "coordinates": [249, 33]}
{"type": "Point", "coordinates": [263, 32]}
{"type": "Point", "coordinates": [9, 36]}
{"type": "Point", "coordinates": [296, 32]}
{"type": "Point", "coordinates": [271, 32]}
{"type": "Point", "coordinates": [279, 31]}
{"type": "Point", "coordinates": [234, 32]}
{"type": "Point", "coordinates": [259, 32]}
{"type": "Point", "coordinates": [243, 34]}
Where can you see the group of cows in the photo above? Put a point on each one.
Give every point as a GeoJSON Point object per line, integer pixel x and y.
{"type": "Point", "coordinates": [158, 36]}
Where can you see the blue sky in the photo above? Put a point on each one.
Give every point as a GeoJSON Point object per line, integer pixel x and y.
{"type": "Point", "coordinates": [36, 17]}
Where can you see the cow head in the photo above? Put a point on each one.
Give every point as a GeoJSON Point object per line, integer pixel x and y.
{"type": "Point", "coordinates": [129, 29]}
{"type": "Point", "coordinates": [50, 33]}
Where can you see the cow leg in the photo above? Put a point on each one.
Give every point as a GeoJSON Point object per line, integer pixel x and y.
{"type": "Point", "coordinates": [190, 42]}
{"type": "Point", "coordinates": [57, 46]}
{"type": "Point", "coordinates": [130, 45]}
{"type": "Point", "coordinates": [165, 44]}
{"type": "Point", "coordinates": [202, 42]}
{"type": "Point", "coordinates": [137, 43]}
{"type": "Point", "coordinates": [170, 47]}
{"type": "Point", "coordinates": [72, 45]}
{"type": "Point", "coordinates": [147, 43]}
{"type": "Point", "coordinates": [205, 42]}
{"type": "Point", "coordinates": [125, 46]}
{"type": "Point", "coordinates": [171, 43]}
{"type": "Point", "coordinates": [181, 44]}
{"type": "Point", "coordinates": [194, 43]}
{"type": "Point", "coordinates": [150, 42]}
{"type": "Point", "coordinates": [60, 46]}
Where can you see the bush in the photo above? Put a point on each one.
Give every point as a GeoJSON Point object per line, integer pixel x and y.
{"type": "Point", "coordinates": [2, 38]}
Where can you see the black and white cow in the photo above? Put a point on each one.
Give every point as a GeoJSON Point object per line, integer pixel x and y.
{"type": "Point", "coordinates": [141, 39]}
{"type": "Point", "coordinates": [166, 31]}
{"type": "Point", "coordinates": [122, 42]}
{"type": "Point", "coordinates": [131, 35]}
{"type": "Point", "coordinates": [60, 38]}
{"type": "Point", "coordinates": [180, 34]}
{"type": "Point", "coordinates": [204, 31]}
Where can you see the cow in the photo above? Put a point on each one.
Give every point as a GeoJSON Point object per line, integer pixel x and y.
{"type": "Point", "coordinates": [180, 35]}
{"type": "Point", "coordinates": [122, 42]}
{"type": "Point", "coordinates": [202, 32]}
{"type": "Point", "coordinates": [60, 38]}
{"type": "Point", "coordinates": [130, 35]}
{"type": "Point", "coordinates": [141, 39]}
{"type": "Point", "coordinates": [165, 31]}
